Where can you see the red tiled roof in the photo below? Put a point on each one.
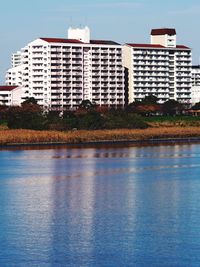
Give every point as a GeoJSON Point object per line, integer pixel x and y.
{"type": "Point", "coordinates": [60, 40]}
{"type": "Point", "coordinates": [147, 45]}
{"type": "Point", "coordinates": [157, 46]}
{"type": "Point", "coordinates": [103, 42]}
{"type": "Point", "coordinates": [182, 47]}
{"type": "Point", "coordinates": [74, 41]}
{"type": "Point", "coordinates": [163, 31]}
{"type": "Point", "coordinates": [7, 88]}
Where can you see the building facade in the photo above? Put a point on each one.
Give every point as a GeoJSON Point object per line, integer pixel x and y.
{"type": "Point", "coordinates": [161, 68]}
{"type": "Point", "coordinates": [14, 76]}
{"type": "Point", "coordinates": [11, 95]}
{"type": "Point", "coordinates": [195, 92]}
{"type": "Point", "coordinates": [16, 59]}
{"type": "Point", "coordinates": [60, 73]}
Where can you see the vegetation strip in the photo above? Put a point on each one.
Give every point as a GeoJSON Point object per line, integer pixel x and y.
{"type": "Point", "coordinates": [18, 136]}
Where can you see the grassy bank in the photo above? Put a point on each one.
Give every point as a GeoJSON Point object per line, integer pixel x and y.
{"type": "Point", "coordinates": [171, 121]}
{"type": "Point", "coordinates": [81, 136]}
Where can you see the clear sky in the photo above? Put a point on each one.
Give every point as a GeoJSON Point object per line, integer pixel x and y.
{"type": "Point", "coordinates": [119, 20]}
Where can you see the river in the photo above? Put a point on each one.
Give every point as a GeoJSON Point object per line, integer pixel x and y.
{"type": "Point", "coordinates": [103, 206]}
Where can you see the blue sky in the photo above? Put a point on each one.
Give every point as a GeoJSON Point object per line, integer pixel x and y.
{"type": "Point", "coordinates": [124, 21]}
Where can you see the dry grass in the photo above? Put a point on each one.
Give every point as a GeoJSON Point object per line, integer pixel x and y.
{"type": "Point", "coordinates": [177, 123]}
{"type": "Point", "coordinates": [30, 136]}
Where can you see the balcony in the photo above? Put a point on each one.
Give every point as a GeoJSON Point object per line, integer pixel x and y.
{"type": "Point", "coordinates": [77, 97]}
{"type": "Point", "coordinates": [56, 97]}
{"type": "Point", "coordinates": [77, 85]}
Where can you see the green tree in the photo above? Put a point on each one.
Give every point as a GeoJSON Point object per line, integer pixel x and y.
{"type": "Point", "coordinates": [30, 100]}
{"type": "Point", "coordinates": [196, 106]}
{"type": "Point", "coordinates": [171, 107]}
{"type": "Point", "coordinates": [87, 104]}
{"type": "Point", "coordinates": [3, 113]}
{"type": "Point", "coordinates": [150, 99]}
{"type": "Point", "coordinates": [26, 116]}
{"type": "Point", "coordinates": [121, 119]}
{"type": "Point", "coordinates": [70, 120]}
{"type": "Point", "coordinates": [91, 121]}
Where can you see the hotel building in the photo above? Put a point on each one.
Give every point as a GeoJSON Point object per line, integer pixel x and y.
{"type": "Point", "coordinates": [60, 73]}
{"type": "Point", "coordinates": [161, 68]}
{"type": "Point", "coordinates": [195, 93]}
{"type": "Point", "coordinates": [16, 59]}
{"type": "Point", "coordinates": [14, 75]}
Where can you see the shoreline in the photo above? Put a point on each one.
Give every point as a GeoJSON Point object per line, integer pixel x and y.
{"type": "Point", "coordinates": [151, 136]}
{"type": "Point", "coordinates": [145, 142]}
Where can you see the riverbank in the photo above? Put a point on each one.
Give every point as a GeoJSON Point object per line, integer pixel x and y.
{"type": "Point", "coordinates": [12, 137]}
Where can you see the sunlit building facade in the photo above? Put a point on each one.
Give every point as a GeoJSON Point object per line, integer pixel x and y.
{"type": "Point", "coordinates": [11, 95]}
{"type": "Point", "coordinates": [161, 68]}
{"type": "Point", "coordinates": [195, 92]}
{"type": "Point", "coordinates": [60, 73]}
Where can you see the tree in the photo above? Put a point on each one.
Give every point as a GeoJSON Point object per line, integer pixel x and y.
{"type": "Point", "coordinates": [132, 107]}
{"type": "Point", "coordinates": [148, 106]}
{"type": "Point", "coordinates": [102, 109]}
{"type": "Point", "coordinates": [171, 107]}
{"type": "Point", "coordinates": [150, 99]}
{"type": "Point", "coordinates": [30, 100]}
{"type": "Point", "coordinates": [3, 112]}
{"type": "Point", "coordinates": [27, 116]}
{"type": "Point", "coordinates": [87, 104]}
{"type": "Point", "coordinates": [70, 120]}
{"type": "Point", "coordinates": [196, 106]}
{"type": "Point", "coordinates": [92, 120]}
{"type": "Point", "coordinates": [122, 119]}
{"type": "Point", "coordinates": [148, 109]}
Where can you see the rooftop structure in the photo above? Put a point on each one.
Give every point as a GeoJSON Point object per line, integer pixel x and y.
{"type": "Point", "coordinates": [161, 68]}
{"type": "Point", "coordinates": [164, 36]}
{"type": "Point", "coordinates": [82, 35]}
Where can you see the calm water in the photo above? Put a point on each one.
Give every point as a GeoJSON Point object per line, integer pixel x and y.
{"type": "Point", "coordinates": [100, 207]}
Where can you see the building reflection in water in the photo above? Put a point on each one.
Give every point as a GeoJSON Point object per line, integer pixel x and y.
{"type": "Point", "coordinates": [95, 206]}
{"type": "Point", "coordinates": [73, 207]}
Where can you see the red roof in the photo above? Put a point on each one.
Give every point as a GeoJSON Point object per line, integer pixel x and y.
{"type": "Point", "coordinates": [103, 42]}
{"type": "Point", "coordinates": [146, 45]}
{"type": "Point", "coordinates": [7, 88]}
{"type": "Point", "coordinates": [182, 47]}
{"type": "Point", "coordinates": [74, 41]}
{"type": "Point", "coordinates": [158, 46]}
{"type": "Point", "coordinates": [163, 31]}
{"type": "Point", "coordinates": [60, 40]}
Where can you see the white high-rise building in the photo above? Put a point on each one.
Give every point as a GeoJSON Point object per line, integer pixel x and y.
{"type": "Point", "coordinates": [161, 68]}
{"type": "Point", "coordinates": [195, 94]}
{"type": "Point", "coordinates": [14, 76]}
{"type": "Point", "coordinates": [60, 73]}
{"type": "Point", "coordinates": [16, 59]}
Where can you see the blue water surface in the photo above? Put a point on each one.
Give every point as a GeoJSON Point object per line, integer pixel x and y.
{"type": "Point", "coordinates": [100, 207]}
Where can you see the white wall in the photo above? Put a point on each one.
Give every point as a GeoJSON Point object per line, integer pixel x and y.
{"type": "Point", "coordinates": [82, 35]}
{"type": "Point", "coordinates": [164, 40]}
